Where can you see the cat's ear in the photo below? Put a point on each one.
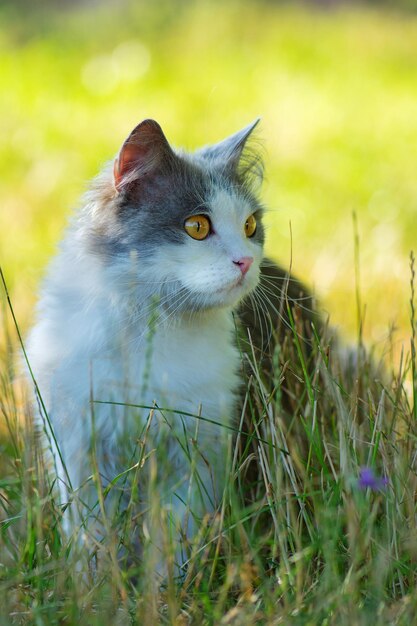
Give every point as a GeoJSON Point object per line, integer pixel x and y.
{"type": "Point", "coordinates": [230, 150]}
{"type": "Point", "coordinates": [144, 152]}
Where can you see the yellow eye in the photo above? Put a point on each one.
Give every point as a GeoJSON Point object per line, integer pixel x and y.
{"type": "Point", "coordinates": [250, 226]}
{"type": "Point", "coordinates": [197, 226]}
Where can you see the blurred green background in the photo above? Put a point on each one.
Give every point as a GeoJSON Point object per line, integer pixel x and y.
{"type": "Point", "coordinates": [335, 84]}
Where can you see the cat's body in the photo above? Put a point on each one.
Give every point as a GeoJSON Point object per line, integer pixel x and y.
{"type": "Point", "coordinates": [139, 309]}
{"type": "Point", "coordinates": [98, 349]}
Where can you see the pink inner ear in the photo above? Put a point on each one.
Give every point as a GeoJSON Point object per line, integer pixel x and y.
{"type": "Point", "coordinates": [130, 156]}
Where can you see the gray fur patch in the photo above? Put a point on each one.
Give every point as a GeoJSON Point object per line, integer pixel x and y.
{"type": "Point", "coordinates": [151, 209]}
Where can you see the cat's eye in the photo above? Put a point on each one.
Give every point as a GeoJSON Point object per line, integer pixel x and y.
{"type": "Point", "coordinates": [197, 226]}
{"type": "Point", "coordinates": [250, 226]}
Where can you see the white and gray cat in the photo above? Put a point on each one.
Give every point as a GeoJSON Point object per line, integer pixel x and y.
{"type": "Point", "coordinates": [138, 309]}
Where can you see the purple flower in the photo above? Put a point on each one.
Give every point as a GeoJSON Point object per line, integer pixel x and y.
{"type": "Point", "coordinates": [367, 478]}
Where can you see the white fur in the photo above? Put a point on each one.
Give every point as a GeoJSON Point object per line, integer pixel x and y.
{"type": "Point", "coordinates": [93, 339]}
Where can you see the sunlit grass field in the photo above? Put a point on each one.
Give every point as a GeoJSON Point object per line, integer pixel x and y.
{"type": "Point", "coordinates": [322, 541]}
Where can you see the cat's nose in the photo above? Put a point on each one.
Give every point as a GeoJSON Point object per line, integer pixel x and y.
{"type": "Point", "coordinates": [244, 263]}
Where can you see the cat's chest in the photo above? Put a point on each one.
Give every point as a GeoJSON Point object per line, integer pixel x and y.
{"type": "Point", "coordinates": [193, 366]}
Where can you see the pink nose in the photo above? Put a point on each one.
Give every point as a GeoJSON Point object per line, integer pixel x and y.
{"type": "Point", "coordinates": [244, 263]}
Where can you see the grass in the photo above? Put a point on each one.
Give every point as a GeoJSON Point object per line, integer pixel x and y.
{"type": "Point", "coordinates": [300, 536]}
{"type": "Point", "coordinates": [296, 540]}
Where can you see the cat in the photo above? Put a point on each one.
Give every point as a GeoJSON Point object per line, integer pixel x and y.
{"type": "Point", "coordinates": [140, 309]}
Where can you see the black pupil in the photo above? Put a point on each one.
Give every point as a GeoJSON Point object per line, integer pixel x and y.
{"type": "Point", "coordinates": [198, 227]}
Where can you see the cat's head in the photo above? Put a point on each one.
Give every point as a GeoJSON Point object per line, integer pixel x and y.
{"type": "Point", "coordinates": [187, 224]}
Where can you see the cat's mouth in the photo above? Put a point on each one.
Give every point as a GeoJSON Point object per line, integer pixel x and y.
{"type": "Point", "coordinates": [237, 283]}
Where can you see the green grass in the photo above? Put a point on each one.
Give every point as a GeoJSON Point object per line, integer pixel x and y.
{"type": "Point", "coordinates": [303, 545]}
{"type": "Point", "coordinates": [296, 540]}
